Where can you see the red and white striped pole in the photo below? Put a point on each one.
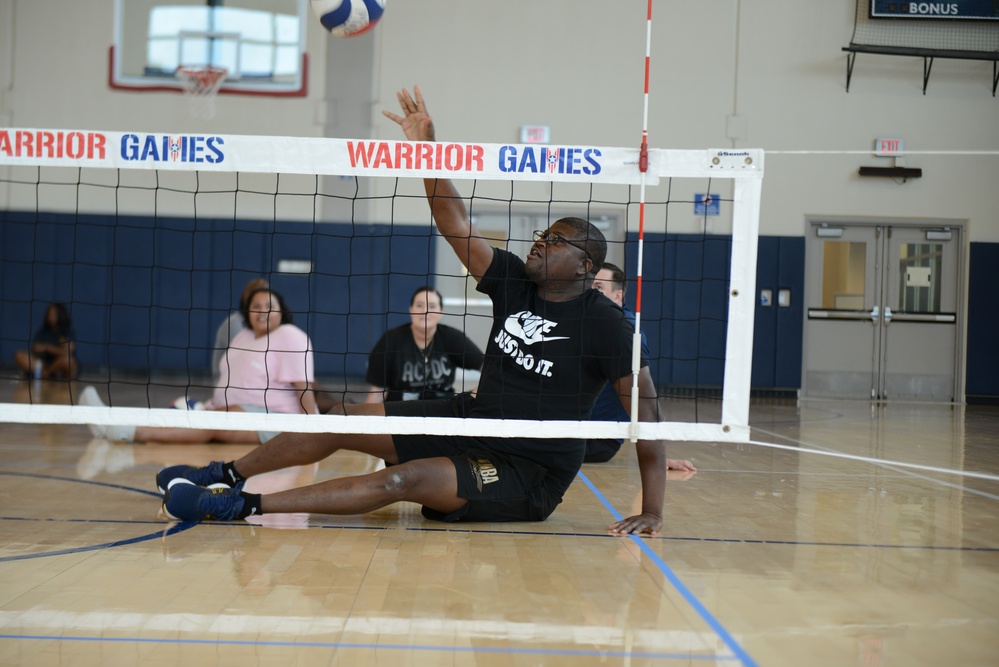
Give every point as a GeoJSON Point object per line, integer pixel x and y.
{"type": "Point", "coordinates": [643, 166]}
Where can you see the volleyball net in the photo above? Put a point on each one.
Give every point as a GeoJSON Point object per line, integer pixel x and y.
{"type": "Point", "coordinates": [149, 239]}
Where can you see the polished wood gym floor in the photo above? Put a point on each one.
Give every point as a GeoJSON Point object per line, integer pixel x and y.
{"type": "Point", "coordinates": [769, 556]}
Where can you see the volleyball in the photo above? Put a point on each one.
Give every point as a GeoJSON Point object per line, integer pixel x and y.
{"type": "Point", "coordinates": [347, 18]}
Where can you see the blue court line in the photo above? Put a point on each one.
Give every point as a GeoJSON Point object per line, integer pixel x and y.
{"type": "Point", "coordinates": [794, 543]}
{"type": "Point", "coordinates": [35, 475]}
{"type": "Point", "coordinates": [175, 528]}
{"type": "Point", "coordinates": [691, 599]}
{"type": "Point", "coordinates": [396, 647]}
{"type": "Point", "coordinates": [671, 538]}
{"type": "Point", "coordinates": [537, 533]}
{"type": "Point", "coordinates": [55, 520]}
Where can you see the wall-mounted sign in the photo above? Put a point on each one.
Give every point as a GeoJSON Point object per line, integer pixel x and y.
{"type": "Point", "coordinates": [535, 134]}
{"type": "Point", "coordinates": [886, 147]}
{"type": "Point", "coordinates": [706, 204]}
{"type": "Point", "coordinates": [943, 9]}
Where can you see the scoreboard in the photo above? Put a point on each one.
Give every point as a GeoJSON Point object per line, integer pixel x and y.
{"type": "Point", "coordinates": [936, 9]}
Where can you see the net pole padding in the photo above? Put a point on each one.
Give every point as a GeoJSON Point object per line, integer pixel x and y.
{"type": "Point", "coordinates": [741, 302]}
{"type": "Point", "coordinates": [643, 166]}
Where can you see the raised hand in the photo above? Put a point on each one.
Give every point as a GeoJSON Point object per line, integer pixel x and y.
{"type": "Point", "coordinates": [415, 122]}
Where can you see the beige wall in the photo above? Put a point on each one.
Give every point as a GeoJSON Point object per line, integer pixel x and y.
{"type": "Point", "coordinates": [727, 73]}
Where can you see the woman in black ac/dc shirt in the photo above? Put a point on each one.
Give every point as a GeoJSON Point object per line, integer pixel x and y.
{"type": "Point", "coordinates": [418, 360]}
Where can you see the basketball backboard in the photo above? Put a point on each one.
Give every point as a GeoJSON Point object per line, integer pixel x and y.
{"type": "Point", "coordinates": [260, 43]}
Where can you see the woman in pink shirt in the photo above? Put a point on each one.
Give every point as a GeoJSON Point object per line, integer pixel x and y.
{"type": "Point", "coordinates": [268, 364]}
{"type": "Point", "coordinates": [267, 368]}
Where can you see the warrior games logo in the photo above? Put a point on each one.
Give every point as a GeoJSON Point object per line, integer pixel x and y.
{"type": "Point", "coordinates": [166, 148]}
{"type": "Point", "coordinates": [549, 160]}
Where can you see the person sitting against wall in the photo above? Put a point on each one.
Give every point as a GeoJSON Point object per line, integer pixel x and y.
{"type": "Point", "coordinates": [612, 282]}
{"type": "Point", "coordinates": [232, 325]}
{"type": "Point", "coordinates": [53, 349]}
{"type": "Point", "coordinates": [418, 360]}
{"type": "Point", "coordinates": [223, 338]}
{"type": "Point", "coordinates": [268, 367]}
{"type": "Point", "coordinates": [226, 331]}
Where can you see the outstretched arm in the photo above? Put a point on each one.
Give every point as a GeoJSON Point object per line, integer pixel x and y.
{"type": "Point", "coordinates": [446, 204]}
{"type": "Point", "coordinates": [652, 461]}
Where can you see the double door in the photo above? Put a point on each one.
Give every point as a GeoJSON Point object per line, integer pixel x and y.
{"type": "Point", "coordinates": [882, 318]}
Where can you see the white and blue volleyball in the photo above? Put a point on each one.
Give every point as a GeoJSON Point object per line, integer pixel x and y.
{"type": "Point", "coordinates": [347, 18]}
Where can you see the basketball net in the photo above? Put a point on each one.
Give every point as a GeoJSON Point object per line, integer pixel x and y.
{"type": "Point", "coordinates": [201, 86]}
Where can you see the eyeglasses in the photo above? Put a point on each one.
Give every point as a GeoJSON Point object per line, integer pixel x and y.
{"type": "Point", "coordinates": [553, 238]}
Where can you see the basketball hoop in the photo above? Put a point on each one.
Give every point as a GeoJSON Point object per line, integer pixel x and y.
{"type": "Point", "coordinates": [201, 85]}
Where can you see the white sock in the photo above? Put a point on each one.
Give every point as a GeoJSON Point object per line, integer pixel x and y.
{"type": "Point", "coordinates": [123, 433]}
{"type": "Point", "coordinates": [90, 398]}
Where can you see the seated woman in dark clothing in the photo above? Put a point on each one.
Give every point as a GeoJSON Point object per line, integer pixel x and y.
{"type": "Point", "coordinates": [53, 348]}
{"type": "Point", "coordinates": [418, 360]}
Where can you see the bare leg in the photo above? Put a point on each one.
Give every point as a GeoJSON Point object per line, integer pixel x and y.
{"type": "Point", "coordinates": [23, 360]}
{"type": "Point", "coordinates": [190, 435]}
{"type": "Point", "coordinates": [431, 482]}
{"type": "Point", "coordinates": [296, 449]}
{"type": "Point", "coordinates": [63, 364]}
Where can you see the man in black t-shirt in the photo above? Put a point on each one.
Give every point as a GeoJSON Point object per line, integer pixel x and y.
{"type": "Point", "coordinates": [554, 343]}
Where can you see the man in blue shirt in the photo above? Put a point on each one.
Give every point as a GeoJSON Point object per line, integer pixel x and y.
{"type": "Point", "coordinates": [612, 283]}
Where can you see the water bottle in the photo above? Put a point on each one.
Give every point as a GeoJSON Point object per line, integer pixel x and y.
{"type": "Point", "coordinates": [38, 369]}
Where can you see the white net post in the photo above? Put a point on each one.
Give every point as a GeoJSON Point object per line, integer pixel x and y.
{"type": "Point", "coordinates": [742, 305]}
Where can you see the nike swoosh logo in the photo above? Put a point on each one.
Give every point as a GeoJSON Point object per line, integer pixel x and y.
{"type": "Point", "coordinates": [530, 328]}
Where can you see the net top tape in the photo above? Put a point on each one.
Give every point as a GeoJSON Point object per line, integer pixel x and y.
{"type": "Point", "coordinates": [367, 157]}
{"type": "Point", "coordinates": [501, 428]}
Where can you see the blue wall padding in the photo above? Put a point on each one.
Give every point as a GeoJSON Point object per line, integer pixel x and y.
{"type": "Point", "coordinates": [147, 294]}
{"type": "Point", "coordinates": [982, 377]}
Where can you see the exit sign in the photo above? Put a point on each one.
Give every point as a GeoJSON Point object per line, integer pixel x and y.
{"type": "Point", "coordinates": [885, 147]}
{"type": "Point", "coordinates": [535, 134]}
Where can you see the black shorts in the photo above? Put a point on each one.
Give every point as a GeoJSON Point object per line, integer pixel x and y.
{"type": "Point", "coordinates": [498, 487]}
{"type": "Point", "coordinates": [601, 450]}
{"type": "Point", "coordinates": [456, 405]}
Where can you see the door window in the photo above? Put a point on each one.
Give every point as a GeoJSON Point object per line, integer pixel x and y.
{"type": "Point", "coordinates": [919, 267]}
{"type": "Point", "coordinates": [844, 275]}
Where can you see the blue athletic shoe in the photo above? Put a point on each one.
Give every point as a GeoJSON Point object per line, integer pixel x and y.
{"type": "Point", "coordinates": [210, 475]}
{"type": "Point", "coordinates": [187, 502]}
